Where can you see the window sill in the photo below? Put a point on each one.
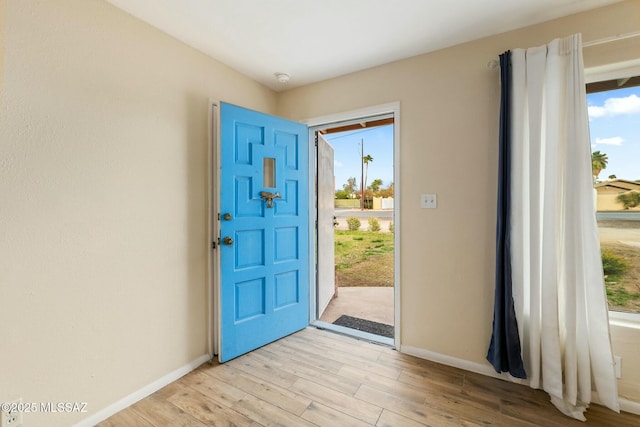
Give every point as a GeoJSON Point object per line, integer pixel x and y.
{"type": "Point", "coordinates": [626, 320]}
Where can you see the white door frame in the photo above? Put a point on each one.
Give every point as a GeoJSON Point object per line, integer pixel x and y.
{"type": "Point", "coordinates": [390, 108]}
{"type": "Point", "coordinates": [213, 228]}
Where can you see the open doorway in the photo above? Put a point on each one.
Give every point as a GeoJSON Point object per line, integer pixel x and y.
{"type": "Point", "coordinates": [356, 225]}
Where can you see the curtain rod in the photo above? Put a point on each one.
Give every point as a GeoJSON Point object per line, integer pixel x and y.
{"type": "Point", "coordinates": [615, 38]}
{"type": "Point", "coordinates": [493, 64]}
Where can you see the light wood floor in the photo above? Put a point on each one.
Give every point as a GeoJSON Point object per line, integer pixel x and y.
{"type": "Point", "coordinates": [319, 378]}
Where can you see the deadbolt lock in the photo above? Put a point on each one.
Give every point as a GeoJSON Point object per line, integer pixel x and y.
{"type": "Point", "coordinates": [227, 241]}
{"type": "Point", "coordinates": [227, 217]}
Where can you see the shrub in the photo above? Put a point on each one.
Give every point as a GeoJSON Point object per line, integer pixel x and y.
{"type": "Point", "coordinates": [391, 227]}
{"type": "Point", "coordinates": [353, 223]}
{"type": "Point", "coordinates": [613, 265]}
{"type": "Point", "coordinates": [630, 199]}
{"type": "Point", "coordinates": [374, 225]}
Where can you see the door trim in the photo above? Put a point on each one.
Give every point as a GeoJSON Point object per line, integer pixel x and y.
{"type": "Point", "coordinates": [359, 114]}
{"type": "Point", "coordinates": [213, 229]}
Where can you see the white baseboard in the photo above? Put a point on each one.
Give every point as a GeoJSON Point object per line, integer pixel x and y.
{"type": "Point", "coordinates": [142, 393]}
{"type": "Point", "coordinates": [467, 365]}
{"type": "Point", "coordinates": [629, 406]}
{"type": "Point", "coordinates": [479, 368]}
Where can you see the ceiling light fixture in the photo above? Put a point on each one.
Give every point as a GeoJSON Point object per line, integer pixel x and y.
{"type": "Point", "coordinates": [282, 77]}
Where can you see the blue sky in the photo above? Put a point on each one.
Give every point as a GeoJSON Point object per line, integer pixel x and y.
{"type": "Point", "coordinates": [378, 143]}
{"type": "Point", "coordinates": [614, 121]}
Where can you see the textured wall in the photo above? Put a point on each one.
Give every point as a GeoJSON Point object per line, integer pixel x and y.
{"type": "Point", "coordinates": [103, 202]}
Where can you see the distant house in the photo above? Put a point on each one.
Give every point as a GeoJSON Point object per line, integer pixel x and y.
{"type": "Point", "coordinates": [608, 192]}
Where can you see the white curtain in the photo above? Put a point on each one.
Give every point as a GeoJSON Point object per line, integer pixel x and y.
{"type": "Point", "coordinates": [558, 284]}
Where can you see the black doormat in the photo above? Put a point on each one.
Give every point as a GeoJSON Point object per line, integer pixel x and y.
{"type": "Point", "coordinates": [365, 325]}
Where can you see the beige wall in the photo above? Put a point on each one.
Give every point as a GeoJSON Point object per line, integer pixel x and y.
{"type": "Point", "coordinates": [103, 202]}
{"type": "Point", "coordinates": [103, 193]}
{"type": "Point", "coordinates": [449, 120]}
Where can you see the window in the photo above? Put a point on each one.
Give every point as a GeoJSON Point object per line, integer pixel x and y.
{"type": "Point", "coordinates": [614, 120]}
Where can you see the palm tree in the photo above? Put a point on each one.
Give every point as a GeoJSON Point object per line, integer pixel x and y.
{"type": "Point", "coordinates": [366, 159]}
{"type": "Point", "coordinates": [375, 185]}
{"type": "Point", "coordinates": [598, 162]}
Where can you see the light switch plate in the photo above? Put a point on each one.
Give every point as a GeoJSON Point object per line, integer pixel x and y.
{"type": "Point", "coordinates": [428, 201]}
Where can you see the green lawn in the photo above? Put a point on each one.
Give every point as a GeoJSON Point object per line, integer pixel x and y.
{"type": "Point", "coordinates": [364, 258]}
{"type": "Point", "coordinates": [622, 276]}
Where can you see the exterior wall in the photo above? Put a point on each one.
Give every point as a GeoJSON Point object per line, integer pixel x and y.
{"type": "Point", "coordinates": [608, 202]}
{"type": "Point", "coordinates": [449, 122]}
{"type": "Point", "coordinates": [103, 207]}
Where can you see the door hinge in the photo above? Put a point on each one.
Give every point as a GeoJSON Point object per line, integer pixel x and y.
{"type": "Point", "coordinates": [218, 216]}
{"type": "Point", "coordinates": [316, 138]}
{"type": "Point", "coordinates": [213, 245]}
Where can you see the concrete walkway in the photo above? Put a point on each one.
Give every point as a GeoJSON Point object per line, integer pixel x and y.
{"type": "Point", "coordinates": [370, 303]}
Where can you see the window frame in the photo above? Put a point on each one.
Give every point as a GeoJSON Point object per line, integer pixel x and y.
{"type": "Point", "coordinates": [603, 73]}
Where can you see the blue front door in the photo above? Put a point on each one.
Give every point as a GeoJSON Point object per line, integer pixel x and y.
{"type": "Point", "coordinates": [264, 229]}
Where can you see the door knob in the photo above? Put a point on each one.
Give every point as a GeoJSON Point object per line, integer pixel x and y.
{"type": "Point", "coordinates": [227, 217]}
{"type": "Point", "coordinates": [268, 196]}
{"type": "Point", "coordinates": [227, 241]}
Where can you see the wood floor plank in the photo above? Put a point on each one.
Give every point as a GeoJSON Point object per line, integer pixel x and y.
{"type": "Point", "coordinates": [480, 384]}
{"type": "Point", "coordinates": [261, 389]}
{"type": "Point", "coordinates": [365, 351]}
{"type": "Point", "coordinates": [312, 333]}
{"type": "Point", "coordinates": [524, 409]}
{"type": "Point", "coordinates": [163, 413]}
{"type": "Point", "coordinates": [320, 363]}
{"type": "Point", "coordinates": [402, 390]}
{"type": "Point", "coordinates": [465, 407]}
{"type": "Point", "coordinates": [219, 391]}
{"type": "Point", "coordinates": [391, 419]}
{"type": "Point", "coordinates": [128, 417]}
{"type": "Point", "coordinates": [322, 415]}
{"type": "Point", "coordinates": [205, 409]}
{"type": "Point", "coordinates": [432, 381]}
{"type": "Point", "coordinates": [598, 415]}
{"type": "Point", "coordinates": [268, 414]}
{"type": "Point", "coordinates": [368, 351]}
{"type": "Point", "coordinates": [265, 371]}
{"type": "Point", "coordinates": [347, 358]}
{"type": "Point", "coordinates": [342, 402]}
{"type": "Point", "coordinates": [306, 370]}
{"type": "Point", "coordinates": [170, 389]}
{"type": "Point", "coordinates": [412, 410]}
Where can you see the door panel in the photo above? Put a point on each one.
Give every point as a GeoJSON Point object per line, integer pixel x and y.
{"type": "Point", "coordinates": [326, 209]}
{"type": "Point", "coordinates": [264, 291]}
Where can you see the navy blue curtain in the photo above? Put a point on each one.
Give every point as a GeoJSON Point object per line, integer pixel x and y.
{"type": "Point", "coordinates": [504, 350]}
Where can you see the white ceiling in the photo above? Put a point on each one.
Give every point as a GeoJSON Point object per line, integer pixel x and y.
{"type": "Point", "coordinates": [313, 40]}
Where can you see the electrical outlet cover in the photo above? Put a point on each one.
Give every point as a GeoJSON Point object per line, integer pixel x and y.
{"type": "Point", "coordinates": [12, 418]}
{"type": "Point", "coordinates": [428, 201]}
